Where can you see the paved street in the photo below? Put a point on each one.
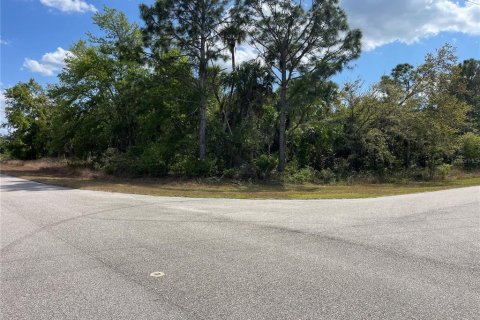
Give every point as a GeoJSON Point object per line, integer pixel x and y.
{"type": "Point", "coordinates": [74, 254]}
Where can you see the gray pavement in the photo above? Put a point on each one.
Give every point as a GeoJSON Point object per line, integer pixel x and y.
{"type": "Point", "coordinates": [74, 254]}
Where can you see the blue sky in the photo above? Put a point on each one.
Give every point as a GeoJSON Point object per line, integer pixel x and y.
{"type": "Point", "coordinates": [36, 34]}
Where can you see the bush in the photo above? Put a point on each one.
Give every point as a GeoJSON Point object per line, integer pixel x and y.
{"type": "Point", "coordinates": [118, 164]}
{"type": "Point", "coordinates": [244, 172]}
{"type": "Point", "coordinates": [418, 174]}
{"type": "Point", "coordinates": [304, 175]}
{"type": "Point", "coordinates": [342, 168]}
{"type": "Point", "coordinates": [264, 165]}
{"type": "Point", "coordinates": [231, 173]}
{"type": "Point", "coordinates": [248, 171]}
{"type": "Point", "coordinates": [4, 153]}
{"type": "Point", "coordinates": [326, 175]}
{"type": "Point", "coordinates": [151, 162]}
{"type": "Point", "coordinates": [363, 177]}
{"type": "Point", "coordinates": [470, 149]}
{"type": "Point", "coordinates": [193, 167]}
{"type": "Point", "coordinates": [443, 170]}
{"type": "Point", "coordinates": [459, 162]}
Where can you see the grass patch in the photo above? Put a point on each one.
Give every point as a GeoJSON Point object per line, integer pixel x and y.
{"type": "Point", "coordinates": [58, 173]}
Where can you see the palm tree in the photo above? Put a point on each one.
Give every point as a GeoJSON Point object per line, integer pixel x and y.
{"type": "Point", "coordinates": [232, 34]}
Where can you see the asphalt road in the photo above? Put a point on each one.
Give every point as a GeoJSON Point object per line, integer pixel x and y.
{"type": "Point", "coordinates": [73, 254]}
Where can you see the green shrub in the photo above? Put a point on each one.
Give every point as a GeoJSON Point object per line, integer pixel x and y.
{"type": "Point", "coordinates": [231, 173]}
{"type": "Point", "coordinates": [304, 175]}
{"type": "Point", "coordinates": [419, 174]}
{"type": "Point", "coordinates": [470, 150]}
{"type": "Point", "coordinates": [342, 168]}
{"type": "Point", "coordinates": [4, 153]}
{"type": "Point", "coordinates": [265, 164]}
{"type": "Point", "coordinates": [119, 164]}
{"type": "Point", "coordinates": [192, 167]}
{"type": "Point", "coordinates": [151, 162]}
{"type": "Point", "coordinates": [443, 170]}
{"type": "Point", "coordinates": [326, 175]}
{"type": "Point", "coordinates": [248, 171]}
{"type": "Point", "coordinates": [363, 177]}
{"type": "Point", "coordinates": [459, 162]}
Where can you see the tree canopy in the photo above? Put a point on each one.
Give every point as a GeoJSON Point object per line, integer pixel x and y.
{"type": "Point", "coordinates": [298, 42]}
{"type": "Point", "coordinates": [138, 99]}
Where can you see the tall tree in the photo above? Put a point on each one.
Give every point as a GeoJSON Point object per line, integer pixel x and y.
{"type": "Point", "coordinates": [297, 41]}
{"type": "Point", "coordinates": [417, 110]}
{"type": "Point", "coordinates": [27, 111]}
{"type": "Point", "coordinates": [234, 30]}
{"type": "Point", "coordinates": [193, 27]}
{"type": "Point", "coordinates": [98, 88]}
{"type": "Point", "coordinates": [470, 72]}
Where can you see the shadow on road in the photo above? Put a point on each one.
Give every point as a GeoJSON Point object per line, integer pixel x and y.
{"type": "Point", "coordinates": [28, 186]}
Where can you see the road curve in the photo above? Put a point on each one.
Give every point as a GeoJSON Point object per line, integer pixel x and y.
{"type": "Point", "coordinates": [75, 254]}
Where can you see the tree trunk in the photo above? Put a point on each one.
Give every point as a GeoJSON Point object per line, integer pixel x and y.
{"type": "Point", "coordinates": [232, 51]}
{"type": "Point", "coordinates": [407, 164]}
{"type": "Point", "coordinates": [283, 121]}
{"type": "Point", "coordinates": [232, 85]}
{"type": "Point", "coordinates": [203, 101]}
{"type": "Point", "coordinates": [281, 141]}
{"type": "Point", "coordinates": [226, 124]}
{"type": "Point", "coordinates": [202, 131]}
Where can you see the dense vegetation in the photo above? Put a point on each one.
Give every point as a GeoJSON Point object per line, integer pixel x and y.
{"type": "Point", "coordinates": [154, 100]}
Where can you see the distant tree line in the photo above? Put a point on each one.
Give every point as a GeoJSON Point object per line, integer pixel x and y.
{"type": "Point", "coordinates": [155, 100]}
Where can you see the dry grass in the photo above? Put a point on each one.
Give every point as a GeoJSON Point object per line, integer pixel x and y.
{"type": "Point", "coordinates": [47, 167]}
{"type": "Point", "coordinates": [57, 172]}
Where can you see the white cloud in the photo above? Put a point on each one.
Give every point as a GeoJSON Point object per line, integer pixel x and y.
{"type": "Point", "coordinates": [2, 98]}
{"type": "Point", "coordinates": [243, 53]}
{"type": "Point", "coordinates": [4, 42]}
{"type": "Point", "coordinates": [408, 21]}
{"type": "Point", "coordinates": [70, 5]}
{"type": "Point", "coordinates": [50, 64]}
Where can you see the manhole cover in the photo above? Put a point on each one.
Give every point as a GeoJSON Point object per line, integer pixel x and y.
{"type": "Point", "coordinates": [157, 274]}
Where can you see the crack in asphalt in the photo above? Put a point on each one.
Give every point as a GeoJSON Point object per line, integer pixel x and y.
{"type": "Point", "coordinates": [51, 225]}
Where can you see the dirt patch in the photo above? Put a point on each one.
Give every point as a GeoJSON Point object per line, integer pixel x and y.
{"type": "Point", "coordinates": [49, 167]}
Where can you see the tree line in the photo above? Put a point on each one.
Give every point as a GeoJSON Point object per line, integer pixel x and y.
{"type": "Point", "coordinates": [156, 99]}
